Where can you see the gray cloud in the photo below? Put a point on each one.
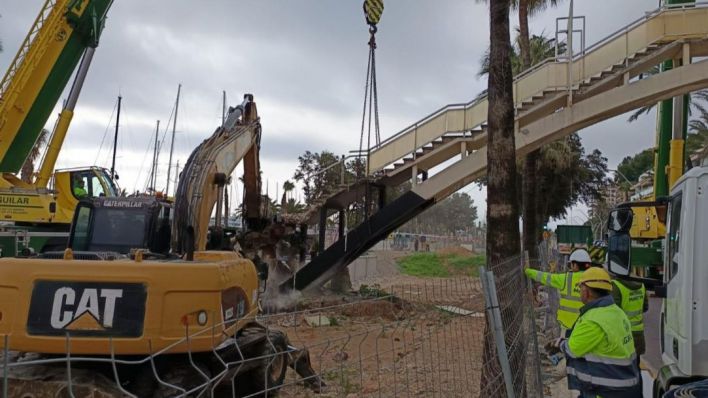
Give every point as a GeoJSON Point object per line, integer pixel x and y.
{"type": "Point", "coordinates": [305, 62]}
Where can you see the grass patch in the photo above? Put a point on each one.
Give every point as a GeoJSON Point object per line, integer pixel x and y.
{"type": "Point", "coordinates": [423, 264]}
{"type": "Point", "coordinates": [466, 264]}
{"type": "Point", "coordinates": [441, 265]}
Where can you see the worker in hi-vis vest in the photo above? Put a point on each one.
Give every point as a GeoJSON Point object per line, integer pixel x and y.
{"type": "Point", "coordinates": [632, 298]}
{"type": "Point", "coordinates": [567, 285]}
{"type": "Point", "coordinates": [600, 356]}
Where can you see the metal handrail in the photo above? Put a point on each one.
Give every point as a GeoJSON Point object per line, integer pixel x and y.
{"type": "Point", "coordinates": [430, 116]}
{"type": "Point", "coordinates": [339, 162]}
{"type": "Point", "coordinates": [595, 46]}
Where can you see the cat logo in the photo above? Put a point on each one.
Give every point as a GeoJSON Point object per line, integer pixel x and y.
{"type": "Point", "coordinates": [86, 312]}
{"type": "Point", "coordinates": [87, 309]}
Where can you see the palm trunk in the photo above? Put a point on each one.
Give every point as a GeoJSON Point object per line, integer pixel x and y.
{"type": "Point", "coordinates": [502, 207]}
{"type": "Point", "coordinates": [529, 176]}
{"type": "Point", "coordinates": [530, 217]}
{"type": "Point", "coordinates": [524, 35]}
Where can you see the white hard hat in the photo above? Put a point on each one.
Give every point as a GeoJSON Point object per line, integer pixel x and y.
{"type": "Point", "coordinates": [580, 256]}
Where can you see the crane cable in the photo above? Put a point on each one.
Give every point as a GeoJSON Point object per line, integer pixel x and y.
{"type": "Point", "coordinates": [372, 11]}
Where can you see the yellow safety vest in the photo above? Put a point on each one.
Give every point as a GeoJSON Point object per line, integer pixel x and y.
{"type": "Point", "coordinates": [567, 284]}
{"type": "Point", "coordinates": [633, 305]}
{"type": "Point", "coordinates": [601, 360]}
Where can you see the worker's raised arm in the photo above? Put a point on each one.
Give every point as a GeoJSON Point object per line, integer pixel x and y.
{"type": "Point", "coordinates": [547, 278]}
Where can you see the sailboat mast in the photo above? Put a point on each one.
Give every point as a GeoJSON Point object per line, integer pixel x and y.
{"type": "Point", "coordinates": [177, 175]}
{"type": "Point", "coordinates": [153, 174]}
{"type": "Point", "coordinates": [172, 144]}
{"type": "Point", "coordinates": [223, 109]}
{"type": "Point", "coordinates": [115, 141]}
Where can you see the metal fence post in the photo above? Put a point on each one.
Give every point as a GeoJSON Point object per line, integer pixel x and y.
{"type": "Point", "coordinates": [536, 368]}
{"type": "Point", "coordinates": [495, 321]}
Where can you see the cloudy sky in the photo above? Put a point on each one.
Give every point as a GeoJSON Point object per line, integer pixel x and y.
{"type": "Point", "coordinates": [305, 63]}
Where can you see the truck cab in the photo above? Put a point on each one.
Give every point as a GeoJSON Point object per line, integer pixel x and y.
{"type": "Point", "coordinates": [684, 315]}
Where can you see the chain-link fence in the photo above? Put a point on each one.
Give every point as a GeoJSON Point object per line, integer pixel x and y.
{"type": "Point", "coordinates": [511, 325]}
{"type": "Point", "coordinates": [422, 337]}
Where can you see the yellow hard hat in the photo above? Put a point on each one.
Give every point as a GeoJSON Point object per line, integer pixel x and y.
{"type": "Point", "coordinates": [596, 278]}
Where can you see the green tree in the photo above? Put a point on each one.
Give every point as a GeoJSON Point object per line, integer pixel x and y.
{"type": "Point", "coordinates": [320, 177]}
{"type": "Point", "coordinates": [318, 174]}
{"type": "Point", "coordinates": [455, 213]}
{"type": "Point", "coordinates": [566, 175]}
{"type": "Point", "coordinates": [632, 167]}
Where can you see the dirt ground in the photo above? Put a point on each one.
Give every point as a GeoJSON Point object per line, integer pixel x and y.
{"type": "Point", "coordinates": [404, 336]}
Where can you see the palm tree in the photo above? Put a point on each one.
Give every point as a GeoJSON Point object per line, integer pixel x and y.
{"type": "Point", "coordinates": [292, 206]}
{"type": "Point", "coordinates": [526, 7]}
{"type": "Point", "coordinates": [697, 139]}
{"type": "Point", "coordinates": [27, 169]}
{"type": "Point", "coordinates": [288, 187]}
{"type": "Point", "coordinates": [502, 206]}
{"type": "Point", "coordinates": [541, 48]}
{"type": "Point", "coordinates": [697, 100]}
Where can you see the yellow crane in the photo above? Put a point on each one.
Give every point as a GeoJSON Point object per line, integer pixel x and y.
{"type": "Point", "coordinates": [65, 34]}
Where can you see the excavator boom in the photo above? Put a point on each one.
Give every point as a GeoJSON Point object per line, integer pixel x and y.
{"type": "Point", "coordinates": [206, 172]}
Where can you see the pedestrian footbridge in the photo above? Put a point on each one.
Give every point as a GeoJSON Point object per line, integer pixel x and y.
{"type": "Point", "coordinates": [552, 100]}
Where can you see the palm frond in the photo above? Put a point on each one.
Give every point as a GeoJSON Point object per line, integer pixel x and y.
{"type": "Point", "coordinates": [639, 112]}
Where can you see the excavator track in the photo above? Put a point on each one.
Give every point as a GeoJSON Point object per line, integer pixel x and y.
{"type": "Point", "coordinates": [253, 362]}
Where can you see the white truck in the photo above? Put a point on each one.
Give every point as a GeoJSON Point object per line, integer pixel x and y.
{"type": "Point", "coordinates": [684, 288]}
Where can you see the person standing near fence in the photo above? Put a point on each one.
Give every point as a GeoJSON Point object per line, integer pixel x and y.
{"type": "Point", "coordinates": [600, 353]}
{"type": "Point", "coordinates": [567, 285]}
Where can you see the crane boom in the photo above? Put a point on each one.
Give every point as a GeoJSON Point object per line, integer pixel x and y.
{"type": "Point", "coordinates": [41, 69]}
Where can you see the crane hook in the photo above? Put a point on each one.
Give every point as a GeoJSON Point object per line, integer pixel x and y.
{"type": "Point", "coordinates": [373, 10]}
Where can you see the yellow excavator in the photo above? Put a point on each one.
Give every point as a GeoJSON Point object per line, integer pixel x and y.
{"type": "Point", "coordinates": [136, 280]}
{"type": "Point", "coordinates": [40, 204]}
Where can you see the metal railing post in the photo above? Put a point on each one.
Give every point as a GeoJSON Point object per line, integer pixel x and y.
{"type": "Point", "coordinates": [495, 321]}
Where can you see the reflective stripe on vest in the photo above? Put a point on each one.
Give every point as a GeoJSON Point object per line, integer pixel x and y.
{"type": "Point", "coordinates": [570, 303]}
{"type": "Point", "coordinates": [601, 381]}
{"type": "Point", "coordinates": [633, 305]}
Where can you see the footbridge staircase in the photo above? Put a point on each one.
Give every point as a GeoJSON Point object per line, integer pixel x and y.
{"type": "Point", "coordinates": [552, 100]}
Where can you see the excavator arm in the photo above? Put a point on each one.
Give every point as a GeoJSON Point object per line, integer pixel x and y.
{"type": "Point", "coordinates": [206, 172]}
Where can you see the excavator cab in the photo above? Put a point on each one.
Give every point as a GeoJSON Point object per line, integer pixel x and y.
{"type": "Point", "coordinates": [121, 225]}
